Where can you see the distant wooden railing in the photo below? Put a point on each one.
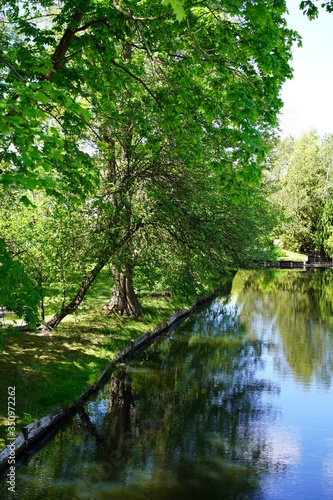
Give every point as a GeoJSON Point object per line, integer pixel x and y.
{"type": "Point", "coordinates": [285, 264]}
{"type": "Point", "coordinates": [318, 259]}
{"type": "Point", "coordinates": [311, 262]}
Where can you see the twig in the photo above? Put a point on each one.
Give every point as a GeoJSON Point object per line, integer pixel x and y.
{"type": "Point", "coordinates": [12, 69]}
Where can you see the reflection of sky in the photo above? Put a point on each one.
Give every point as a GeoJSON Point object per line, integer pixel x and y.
{"type": "Point", "coordinates": [284, 447]}
{"type": "Point", "coordinates": [300, 444]}
{"type": "Point", "coordinates": [284, 454]}
{"type": "Point", "coordinates": [328, 470]}
{"type": "Point", "coordinates": [97, 410]}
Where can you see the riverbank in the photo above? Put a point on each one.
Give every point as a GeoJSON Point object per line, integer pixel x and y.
{"type": "Point", "coordinates": [52, 369]}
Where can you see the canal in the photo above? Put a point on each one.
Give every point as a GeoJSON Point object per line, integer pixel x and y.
{"type": "Point", "coordinates": [236, 403]}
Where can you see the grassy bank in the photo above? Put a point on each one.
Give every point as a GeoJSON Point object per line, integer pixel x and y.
{"type": "Point", "coordinates": [52, 369]}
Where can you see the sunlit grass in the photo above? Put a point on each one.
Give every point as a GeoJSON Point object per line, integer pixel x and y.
{"type": "Point", "coordinates": [289, 255]}
{"type": "Point", "coordinates": [54, 368]}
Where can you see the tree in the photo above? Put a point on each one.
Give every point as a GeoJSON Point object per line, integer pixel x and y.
{"type": "Point", "coordinates": [55, 241]}
{"type": "Point", "coordinates": [311, 10]}
{"type": "Point", "coordinates": [302, 192]}
{"type": "Point", "coordinates": [300, 183]}
{"type": "Point", "coordinates": [17, 292]}
{"type": "Point", "coordinates": [324, 233]}
{"type": "Point", "coordinates": [219, 74]}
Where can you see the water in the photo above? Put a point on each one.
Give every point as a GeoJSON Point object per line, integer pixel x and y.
{"type": "Point", "coordinates": [235, 404]}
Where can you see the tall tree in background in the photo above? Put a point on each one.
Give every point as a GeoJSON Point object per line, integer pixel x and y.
{"type": "Point", "coordinates": [324, 233]}
{"type": "Point", "coordinates": [302, 186]}
{"type": "Point", "coordinates": [303, 191]}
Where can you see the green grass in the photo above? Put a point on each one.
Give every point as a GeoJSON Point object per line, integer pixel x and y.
{"type": "Point", "coordinates": [289, 255]}
{"type": "Point", "coordinates": [52, 369]}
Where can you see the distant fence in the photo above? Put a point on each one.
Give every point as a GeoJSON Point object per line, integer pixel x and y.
{"type": "Point", "coordinates": [318, 259]}
{"type": "Point", "coordinates": [292, 263]}
{"type": "Point", "coordinates": [312, 261]}
{"type": "Point", "coordinates": [285, 264]}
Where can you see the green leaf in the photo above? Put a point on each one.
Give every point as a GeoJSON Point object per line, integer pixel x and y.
{"type": "Point", "coordinates": [42, 97]}
{"type": "Point", "coordinates": [177, 8]}
{"type": "Point", "coordinates": [25, 200]}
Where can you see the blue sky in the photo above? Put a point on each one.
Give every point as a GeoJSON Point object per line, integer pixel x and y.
{"type": "Point", "coordinates": [308, 98]}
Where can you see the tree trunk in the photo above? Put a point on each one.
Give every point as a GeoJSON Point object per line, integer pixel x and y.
{"type": "Point", "coordinates": [123, 300]}
{"type": "Point", "coordinates": [73, 305]}
{"type": "Point", "coordinates": [42, 310]}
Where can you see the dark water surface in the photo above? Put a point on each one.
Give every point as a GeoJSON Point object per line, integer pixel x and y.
{"type": "Point", "coordinates": [237, 403]}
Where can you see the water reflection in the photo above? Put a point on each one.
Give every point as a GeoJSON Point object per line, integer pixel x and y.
{"type": "Point", "coordinates": [328, 470]}
{"type": "Point", "coordinates": [212, 411]}
{"type": "Point", "coordinates": [298, 306]}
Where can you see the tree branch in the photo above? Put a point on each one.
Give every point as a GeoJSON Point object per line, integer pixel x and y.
{"type": "Point", "coordinates": [63, 46]}
{"type": "Point", "coordinates": [12, 69]}
{"type": "Point", "coordinates": [137, 78]}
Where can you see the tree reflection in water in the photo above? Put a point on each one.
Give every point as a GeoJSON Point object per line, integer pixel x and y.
{"type": "Point", "coordinates": [298, 307]}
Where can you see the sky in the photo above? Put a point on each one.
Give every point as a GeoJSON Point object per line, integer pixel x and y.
{"type": "Point", "coordinates": [308, 97]}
